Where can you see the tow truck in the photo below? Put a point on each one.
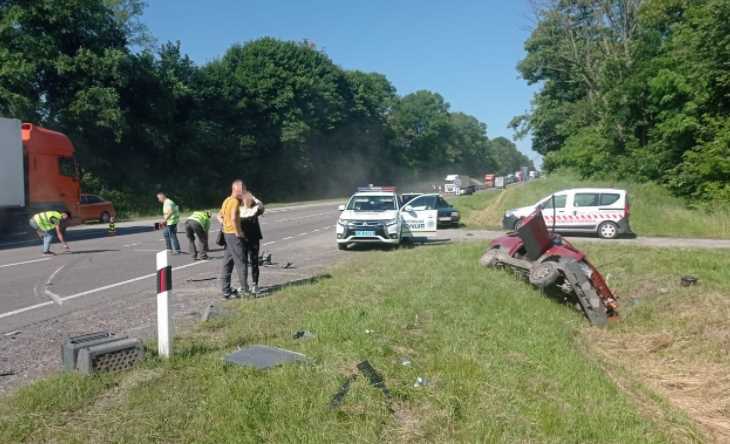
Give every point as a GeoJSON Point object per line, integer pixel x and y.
{"type": "Point", "coordinates": [375, 215]}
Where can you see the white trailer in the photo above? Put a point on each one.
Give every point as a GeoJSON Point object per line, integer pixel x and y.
{"type": "Point", "coordinates": [12, 177]}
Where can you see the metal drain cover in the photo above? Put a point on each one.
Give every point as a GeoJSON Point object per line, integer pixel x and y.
{"type": "Point", "coordinates": [263, 357]}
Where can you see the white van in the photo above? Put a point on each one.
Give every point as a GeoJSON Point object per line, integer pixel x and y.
{"type": "Point", "coordinates": [604, 211]}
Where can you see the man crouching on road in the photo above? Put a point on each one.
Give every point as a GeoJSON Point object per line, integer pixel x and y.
{"type": "Point", "coordinates": [198, 224]}
{"type": "Point", "coordinates": [233, 254]}
{"type": "Point", "coordinates": [45, 224]}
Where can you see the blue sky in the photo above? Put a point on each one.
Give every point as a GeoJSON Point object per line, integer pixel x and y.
{"type": "Point", "coordinates": [465, 50]}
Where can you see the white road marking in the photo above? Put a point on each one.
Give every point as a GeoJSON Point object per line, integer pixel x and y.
{"type": "Point", "coordinates": [50, 278]}
{"type": "Point", "coordinates": [268, 243]}
{"type": "Point", "coordinates": [24, 309]}
{"type": "Point", "coordinates": [287, 238]}
{"type": "Point", "coordinates": [133, 244]}
{"type": "Point", "coordinates": [145, 250]}
{"type": "Point", "coordinates": [56, 298]}
{"type": "Point", "coordinates": [302, 234]}
{"type": "Point", "coordinates": [26, 262]}
{"type": "Point", "coordinates": [128, 281]}
{"type": "Point", "coordinates": [315, 230]}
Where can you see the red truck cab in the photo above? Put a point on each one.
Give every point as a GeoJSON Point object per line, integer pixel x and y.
{"type": "Point", "coordinates": [52, 176]}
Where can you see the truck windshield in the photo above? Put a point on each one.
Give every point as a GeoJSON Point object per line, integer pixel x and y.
{"type": "Point", "coordinates": [372, 203]}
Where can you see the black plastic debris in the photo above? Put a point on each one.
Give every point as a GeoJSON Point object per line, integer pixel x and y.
{"type": "Point", "coordinates": [303, 334]}
{"type": "Point", "coordinates": [374, 378]}
{"type": "Point", "coordinates": [339, 396]}
{"type": "Point", "coordinates": [287, 265]}
{"type": "Point", "coordinates": [7, 373]}
{"type": "Point", "coordinates": [687, 281]}
{"type": "Point", "coordinates": [263, 357]}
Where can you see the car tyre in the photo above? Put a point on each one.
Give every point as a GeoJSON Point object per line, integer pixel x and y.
{"type": "Point", "coordinates": [544, 274]}
{"type": "Point", "coordinates": [608, 230]}
{"type": "Point", "coordinates": [105, 217]}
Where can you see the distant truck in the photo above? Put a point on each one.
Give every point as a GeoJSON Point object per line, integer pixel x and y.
{"type": "Point", "coordinates": [460, 184]}
{"type": "Point", "coordinates": [38, 172]}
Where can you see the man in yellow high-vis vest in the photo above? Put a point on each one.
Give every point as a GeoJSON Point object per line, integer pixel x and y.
{"type": "Point", "coordinates": [46, 223]}
{"type": "Point", "coordinates": [198, 224]}
{"type": "Point", "coordinates": [171, 216]}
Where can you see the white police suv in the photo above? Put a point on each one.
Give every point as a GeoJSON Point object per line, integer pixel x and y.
{"type": "Point", "coordinates": [375, 215]}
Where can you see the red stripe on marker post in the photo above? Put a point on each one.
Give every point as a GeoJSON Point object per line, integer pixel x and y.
{"type": "Point", "coordinates": [165, 322]}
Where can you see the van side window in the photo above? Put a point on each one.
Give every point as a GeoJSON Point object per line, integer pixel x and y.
{"type": "Point", "coordinates": [559, 202]}
{"type": "Point", "coordinates": [585, 200]}
{"type": "Point", "coordinates": [67, 166]}
{"type": "Point", "coordinates": [609, 199]}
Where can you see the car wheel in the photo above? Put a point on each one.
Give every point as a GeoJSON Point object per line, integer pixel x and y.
{"type": "Point", "coordinates": [342, 246]}
{"type": "Point", "coordinates": [608, 230]}
{"type": "Point", "coordinates": [544, 274]}
{"type": "Point", "coordinates": [105, 217]}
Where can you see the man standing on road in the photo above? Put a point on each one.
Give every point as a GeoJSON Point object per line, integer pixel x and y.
{"type": "Point", "coordinates": [198, 224]}
{"type": "Point", "coordinates": [233, 253]}
{"type": "Point", "coordinates": [45, 224]}
{"type": "Point", "coordinates": [171, 216]}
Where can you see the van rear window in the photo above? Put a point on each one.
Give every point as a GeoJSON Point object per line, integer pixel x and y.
{"type": "Point", "coordinates": [609, 199]}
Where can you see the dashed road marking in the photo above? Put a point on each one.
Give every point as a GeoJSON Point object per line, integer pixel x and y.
{"type": "Point", "coordinates": [268, 243]}
{"type": "Point", "coordinates": [287, 238]}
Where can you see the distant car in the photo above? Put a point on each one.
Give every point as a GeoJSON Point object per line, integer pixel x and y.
{"type": "Point", "coordinates": [604, 211]}
{"type": "Point", "coordinates": [447, 214]}
{"type": "Point", "coordinates": [93, 207]}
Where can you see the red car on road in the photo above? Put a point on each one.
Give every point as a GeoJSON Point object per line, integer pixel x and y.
{"type": "Point", "coordinates": [93, 207]}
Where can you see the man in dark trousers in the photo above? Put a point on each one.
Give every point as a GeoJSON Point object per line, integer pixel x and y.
{"type": "Point", "coordinates": [198, 224]}
{"type": "Point", "coordinates": [233, 253]}
{"type": "Point", "coordinates": [251, 209]}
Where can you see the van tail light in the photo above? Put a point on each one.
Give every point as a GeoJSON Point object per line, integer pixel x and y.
{"type": "Point", "coordinates": [627, 208]}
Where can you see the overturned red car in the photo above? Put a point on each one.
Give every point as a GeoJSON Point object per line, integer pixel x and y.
{"type": "Point", "coordinates": [550, 262]}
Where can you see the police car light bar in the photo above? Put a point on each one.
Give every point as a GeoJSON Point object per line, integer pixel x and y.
{"type": "Point", "coordinates": [391, 189]}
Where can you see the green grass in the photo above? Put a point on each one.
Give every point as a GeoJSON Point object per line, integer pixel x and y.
{"type": "Point", "coordinates": [504, 365]}
{"type": "Point", "coordinates": [654, 212]}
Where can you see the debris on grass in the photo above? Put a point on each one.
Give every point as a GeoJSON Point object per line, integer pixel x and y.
{"type": "Point", "coordinates": [263, 357]}
{"type": "Point", "coordinates": [687, 281]}
{"type": "Point", "coordinates": [304, 334]}
{"type": "Point", "coordinates": [421, 382]}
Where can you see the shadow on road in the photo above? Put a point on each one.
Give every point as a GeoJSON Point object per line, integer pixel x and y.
{"type": "Point", "coordinates": [75, 234]}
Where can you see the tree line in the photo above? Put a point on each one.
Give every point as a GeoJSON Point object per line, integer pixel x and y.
{"type": "Point", "coordinates": [279, 114]}
{"type": "Point", "coordinates": [633, 88]}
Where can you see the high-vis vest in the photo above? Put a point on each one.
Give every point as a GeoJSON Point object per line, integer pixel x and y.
{"type": "Point", "coordinates": [202, 218]}
{"type": "Point", "coordinates": [48, 220]}
{"type": "Point", "coordinates": [175, 218]}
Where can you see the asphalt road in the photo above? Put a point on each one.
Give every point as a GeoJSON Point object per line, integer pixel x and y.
{"type": "Point", "coordinates": [107, 282]}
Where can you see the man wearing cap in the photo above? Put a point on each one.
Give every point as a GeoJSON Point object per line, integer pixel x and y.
{"type": "Point", "coordinates": [198, 224]}
{"type": "Point", "coordinates": [45, 224]}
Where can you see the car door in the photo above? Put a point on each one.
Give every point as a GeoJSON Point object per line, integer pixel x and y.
{"type": "Point", "coordinates": [585, 211]}
{"type": "Point", "coordinates": [419, 217]}
{"type": "Point", "coordinates": [558, 215]}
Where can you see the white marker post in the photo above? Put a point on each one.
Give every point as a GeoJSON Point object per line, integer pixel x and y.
{"type": "Point", "coordinates": [165, 324]}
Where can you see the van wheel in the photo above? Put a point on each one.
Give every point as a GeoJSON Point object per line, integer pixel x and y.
{"type": "Point", "coordinates": [608, 230]}
{"type": "Point", "coordinates": [105, 217]}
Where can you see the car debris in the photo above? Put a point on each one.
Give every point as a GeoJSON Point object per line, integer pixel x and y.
{"type": "Point", "coordinates": [12, 334]}
{"type": "Point", "coordinates": [549, 261]}
{"type": "Point", "coordinates": [687, 281]}
{"type": "Point", "coordinates": [304, 334]}
{"type": "Point", "coordinates": [421, 382]}
{"type": "Point", "coordinates": [406, 361]}
{"type": "Point", "coordinates": [374, 378]}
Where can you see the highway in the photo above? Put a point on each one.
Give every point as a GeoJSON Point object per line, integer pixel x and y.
{"type": "Point", "coordinates": [107, 282]}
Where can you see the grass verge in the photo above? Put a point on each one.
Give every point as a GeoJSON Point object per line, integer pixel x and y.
{"type": "Point", "coordinates": [504, 364]}
{"type": "Point", "coordinates": [654, 212]}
